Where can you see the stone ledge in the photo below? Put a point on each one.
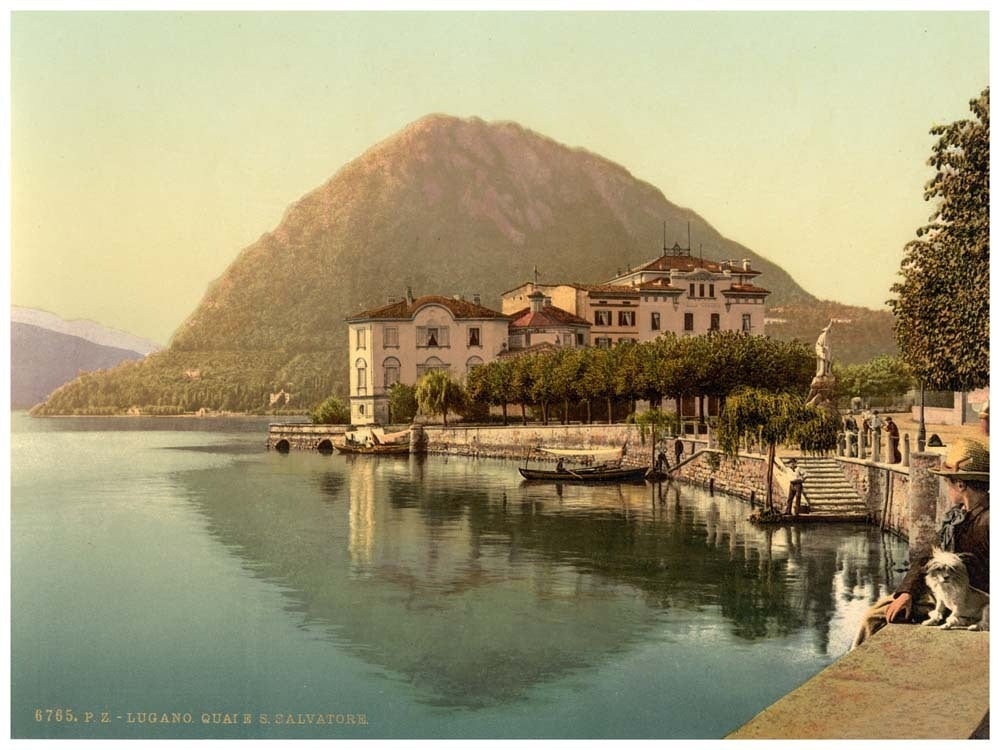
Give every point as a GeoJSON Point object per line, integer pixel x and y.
{"type": "Point", "coordinates": [906, 682]}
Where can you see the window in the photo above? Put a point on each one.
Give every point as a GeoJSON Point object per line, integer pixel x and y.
{"type": "Point", "coordinates": [688, 321]}
{"type": "Point", "coordinates": [654, 321]}
{"type": "Point", "coordinates": [602, 318]}
{"type": "Point", "coordinates": [714, 325]}
{"type": "Point", "coordinates": [701, 290]}
{"type": "Point", "coordinates": [432, 336]}
{"type": "Point", "coordinates": [691, 290]}
{"type": "Point", "coordinates": [472, 363]}
{"type": "Point", "coordinates": [362, 370]}
{"type": "Point", "coordinates": [746, 322]}
{"type": "Point", "coordinates": [711, 290]}
{"type": "Point", "coordinates": [474, 337]}
{"type": "Point", "coordinates": [390, 338]}
{"type": "Point", "coordinates": [361, 408]}
{"type": "Point", "coordinates": [602, 343]}
{"type": "Point", "coordinates": [432, 363]}
{"type": "Point", "coordinates": [579, 339]}
{"type": "Point", "coordinates": [360, 343]}
{"type": "Point", "coordinates": [626, 318]}
{"type": "Point", "coordinates": [390, 372]}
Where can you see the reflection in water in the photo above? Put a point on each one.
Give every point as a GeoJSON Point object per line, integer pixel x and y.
{"type": "Point", "coordinates": [475, 587]}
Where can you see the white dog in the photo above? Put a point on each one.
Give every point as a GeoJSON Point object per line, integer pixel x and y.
{"type": "Point", "coordinates": [948, 580]}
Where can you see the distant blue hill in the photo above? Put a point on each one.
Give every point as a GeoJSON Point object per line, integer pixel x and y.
{"type": "Point", "coordinates": [42, 360]}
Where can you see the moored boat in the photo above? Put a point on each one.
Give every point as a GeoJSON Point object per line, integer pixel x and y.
{"type": "Point", "coordinates": [391, 449]}
{"type": "Point", "coordinates": [375, 441]}
{"type": "Point", "coordinates": [610, 470]}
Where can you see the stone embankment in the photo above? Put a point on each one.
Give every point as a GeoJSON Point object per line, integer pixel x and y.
{"type": "Point", "coordinates": [302, 437]}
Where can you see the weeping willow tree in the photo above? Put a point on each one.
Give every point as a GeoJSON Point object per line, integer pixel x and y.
{"type": "Point", "coordinates": [437, 393]}
{"type": "Point", "coordinates": [778, 418]}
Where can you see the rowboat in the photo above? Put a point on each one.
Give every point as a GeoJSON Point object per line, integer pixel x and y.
{"type": "Point", "coordinates": [392, 449]}
{"type": "Point", "coordinates": [587, 474]}
{"type": "Point", "coordinates": [375, 441]}
{"type": "Point", "coordinates": [610, 470]}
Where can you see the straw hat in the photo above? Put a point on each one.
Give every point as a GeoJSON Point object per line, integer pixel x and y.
{"type": "Point", "coordinates": [967, 459]}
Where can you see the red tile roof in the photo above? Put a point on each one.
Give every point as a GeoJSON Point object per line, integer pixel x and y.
{"type": "Point", "coordinates": [402, 310]}
{"type": "Point", "coordinates": [744, 289]}
{"type": "Point", "coordinates": [533, 349]}
{"type": "Point", "coordinates": [690, 263]}
{"type": "Point", "coordinates": [660, 285]}
{"type": "Point", "coordinates": [679, 262]}
{"type": "Point", "coordinates": [602, 289]}
{"type": "Point", "coordinates": [548, 317]}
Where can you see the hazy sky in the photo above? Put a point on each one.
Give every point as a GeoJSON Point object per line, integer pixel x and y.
{"type": "Point", "coordinates": [149, 149]}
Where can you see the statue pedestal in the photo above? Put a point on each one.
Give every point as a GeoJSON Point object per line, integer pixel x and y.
{"type": "Point", "coordinates": [822, 393]}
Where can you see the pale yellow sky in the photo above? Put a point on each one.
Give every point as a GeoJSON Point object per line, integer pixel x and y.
{"type": "Point", "coordinates": [148, 149]}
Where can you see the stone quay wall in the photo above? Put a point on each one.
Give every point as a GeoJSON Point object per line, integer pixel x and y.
{"type": "Point", "coordinates": [303, 437]}
{"type": "Point", "coordinates": [742, 476]}
{"type": "Point", "coordinates": [905, 500]}
{"type": "Point", "coordinates": [516, 442]}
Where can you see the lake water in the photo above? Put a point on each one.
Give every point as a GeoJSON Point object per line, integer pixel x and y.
{"type": "Point", "coordinates": [176, 567]}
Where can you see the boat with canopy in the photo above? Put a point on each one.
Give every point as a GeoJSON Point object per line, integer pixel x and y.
{"type": "Point", "coordinates": [597, 465]}
{"type": "Point", "coordinates": [375, 441]}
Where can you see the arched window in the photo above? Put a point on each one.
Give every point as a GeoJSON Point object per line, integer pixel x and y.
{"type": "Point", "coordinates": [390, 369]}
{"type": "Point", "coordinates": [362, 369]}
{"type": "Point", "coordinates": [472, 363]}
{"type": "Point", "coordinates": [432, 363]}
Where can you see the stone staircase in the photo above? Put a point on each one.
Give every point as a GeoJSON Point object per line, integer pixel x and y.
{"type": "Point", "coordinates": [829, 494]}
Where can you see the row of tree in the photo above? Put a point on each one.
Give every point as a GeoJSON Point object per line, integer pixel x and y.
{"type": "Point", "coordinates": [670, 367]}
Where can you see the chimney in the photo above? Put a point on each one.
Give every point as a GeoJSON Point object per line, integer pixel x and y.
{"type": "Point", "coordinates": [537, 299]}
{"type": "Point", "coordinates": [476, 299]}
{"type": "Point", "coordinates": [746, 264]}
{"type": "Point", "coordinates": [409, 295]}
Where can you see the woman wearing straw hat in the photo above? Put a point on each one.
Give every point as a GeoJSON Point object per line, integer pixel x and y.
{"type": "Point", "coordinates": [965, 528]}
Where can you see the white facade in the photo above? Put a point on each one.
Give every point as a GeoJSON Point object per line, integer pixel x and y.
{"type": "Point", "coordinates": [402, 341]}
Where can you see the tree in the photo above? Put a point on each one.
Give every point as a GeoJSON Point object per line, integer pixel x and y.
{"type": "Point", "coordinates": [942, 305]}
{"type": "Point", "coordinates": [331, 411]}
{"type": "Point", "coordinates": [779, 418]}
{"type": "Point", "coordinates": [437, 393]}
{"type": "Point", "coordinates": [883, 378]}
{"type": "Point", "coordinates": [402, 403]}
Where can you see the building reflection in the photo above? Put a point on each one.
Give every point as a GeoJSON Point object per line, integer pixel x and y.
{"type": "Point", "coordinates": [477, 587]}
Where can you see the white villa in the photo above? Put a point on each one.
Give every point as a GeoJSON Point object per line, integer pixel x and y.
{"type": "Point", "coordinates": [675, 292]}
{"type": "Point", "coordinates": [400, 341]}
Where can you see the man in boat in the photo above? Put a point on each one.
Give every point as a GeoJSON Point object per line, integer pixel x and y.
{"type": "Point", "coordinates": [560, 467]}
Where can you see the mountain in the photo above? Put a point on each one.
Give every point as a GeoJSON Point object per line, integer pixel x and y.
{"type": "Point", "coordinates": [87, 330]}
{"type": "Point", "coordinates": [445, 206]}
{"type": "Point", "coordinates": [41, 360]}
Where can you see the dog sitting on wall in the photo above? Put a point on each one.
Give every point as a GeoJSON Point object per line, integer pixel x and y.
{"type": "Point", "coordinates": [948, 580]}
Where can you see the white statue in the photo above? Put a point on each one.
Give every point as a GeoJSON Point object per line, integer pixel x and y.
{"type": "Point", "coordinates": [823, 358]}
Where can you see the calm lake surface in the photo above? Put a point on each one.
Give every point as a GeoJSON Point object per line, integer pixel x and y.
{"type": "Point", "coordinates": [175, 565]}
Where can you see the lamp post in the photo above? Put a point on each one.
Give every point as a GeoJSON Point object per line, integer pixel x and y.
{"type": "Point", "coordinates": [922, 432]}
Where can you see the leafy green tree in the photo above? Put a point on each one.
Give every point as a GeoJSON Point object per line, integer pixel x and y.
{"type": "Point", "coordinates": [779, 418]}
{"type": "Point", "coordinates": [331, 411]}
{"type": "Point", "coordinates": [566, 371]}
{"type": "Point", "coordinates": [544, 389]}
{"type": "Point", "coordinates": [882, 378]}
{"type": "Point", "coordinates": [438, 393]}
{"type": "Point", "coordinates": [942, 305]}
{"type": "Point", "coordinates": [402, 403]}
{"type": "Point", "coordinates": [598, 379]}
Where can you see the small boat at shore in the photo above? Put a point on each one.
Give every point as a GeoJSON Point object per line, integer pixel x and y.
{"type": "Point", "coordinates": [374, 441]}
{"type": "Point", "coordinates": [392, 449]}
{"type": "Point", "coordinates": [610, 470]}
